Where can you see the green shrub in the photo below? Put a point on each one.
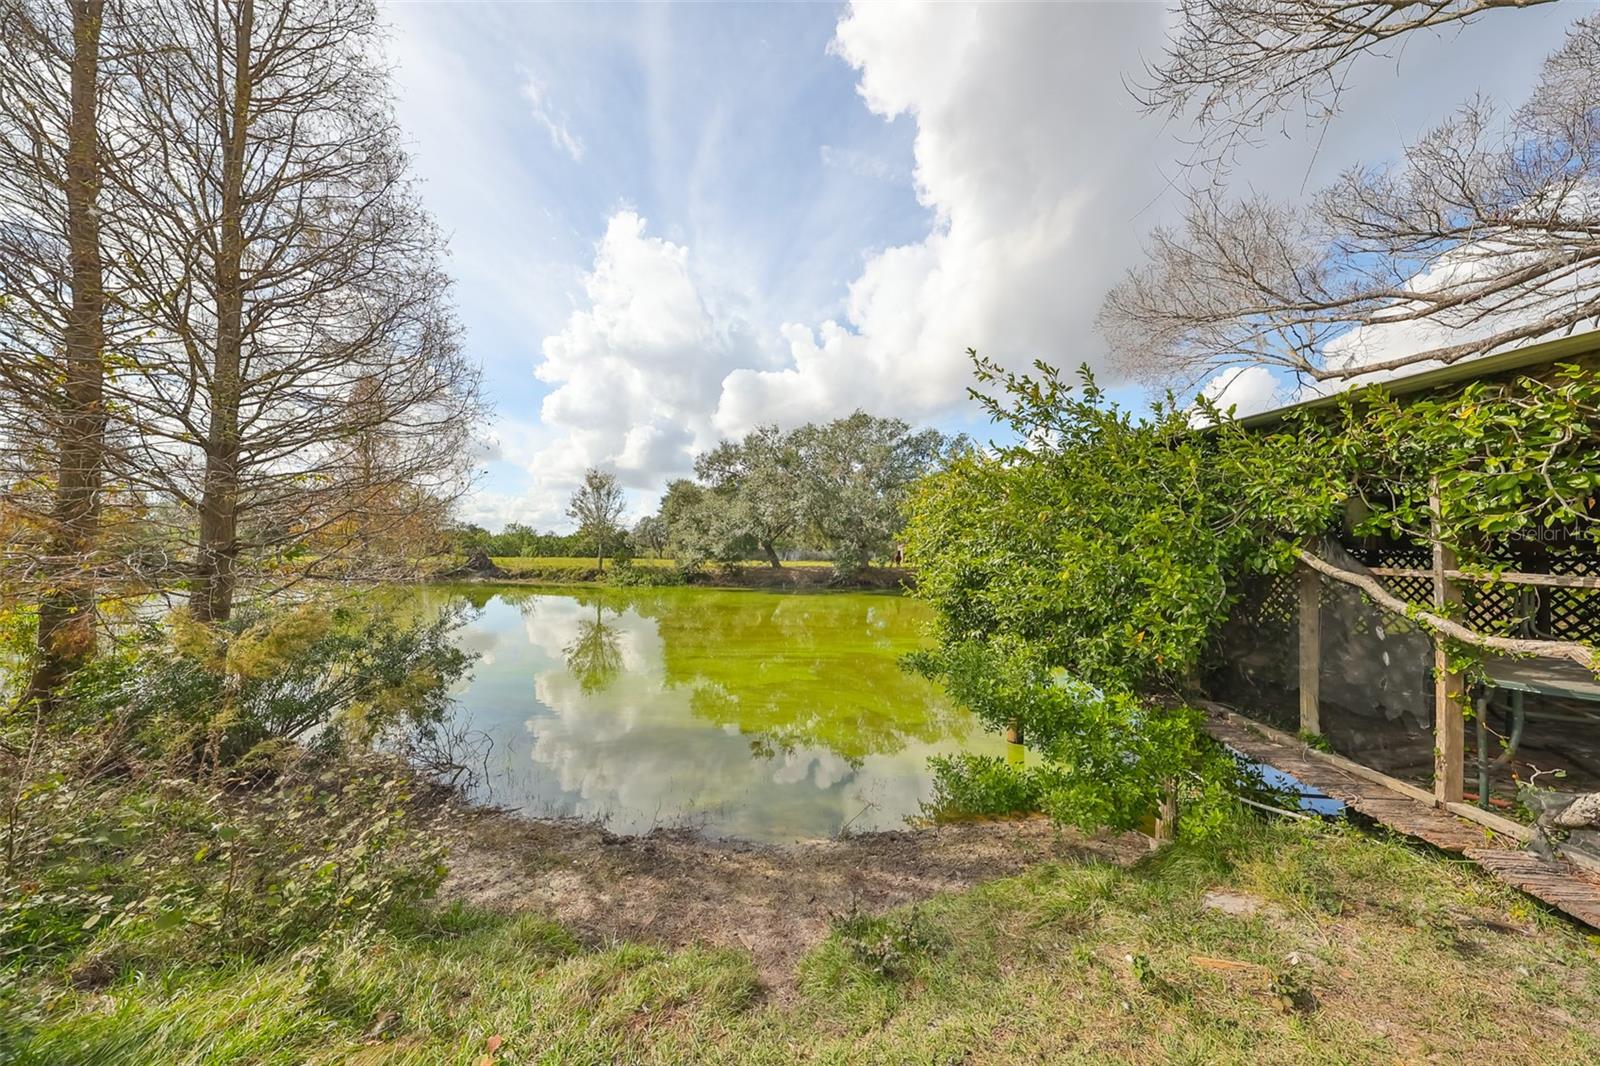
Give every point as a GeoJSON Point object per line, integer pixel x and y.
{"type": "Point", "coordinates": [984, 785]}
{"type": "Point", "coordinates": [206, 793]}
{"type": "Point", "coordinates": [1073, 576]}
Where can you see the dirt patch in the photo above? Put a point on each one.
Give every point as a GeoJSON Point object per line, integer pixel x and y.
{"type": "Point", "coordinates": [1233, 904]}
{"type": "Point", "coordinates": [675, 888]}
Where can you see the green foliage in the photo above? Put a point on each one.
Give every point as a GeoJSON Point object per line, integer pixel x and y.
{"type": "Point", "coordinates": [1515, 460]}
{"type": "Point", "coordinates": [837, 487]}
{"type": "Point", "coordinates": [649, 534]}
{"type": "Point", "coordinates": [520, 541]}
{"type": "Point", "coordinates": [753, 484]}
{"type": "Point", "coordinates": [626, 575]}
{"type": "Point", "coordinates": [176, 868]}
{"type": "Point", "coordinates": [1318, 741]}
{"type": "Point", "coordinates": [701, 526]}
{"type": "Point", "coordinates": [856, 473]}
{"type": "Point", "coordinates": [1077, 572]}
{"type": "Point", "coordinates": [1086, 569]}
{"type": "Point", "coordinates": [597, 508]}
{"type": "Point", "coordinates": [210, 791]}
{"type": "Point", "coordinates": [966, 785]}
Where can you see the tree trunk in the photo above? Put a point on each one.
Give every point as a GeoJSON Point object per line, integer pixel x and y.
{"type": "Point", "coordinates": [771, 554]}
{"type": "Point", "coordinates": [599, 552]}
{"type": "Point", "coordinates": [217, 552]}
{"type": "Point", "coordinates": [66, 610]}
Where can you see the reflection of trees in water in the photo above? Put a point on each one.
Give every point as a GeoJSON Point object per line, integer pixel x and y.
{"type": "Point", "coordinates": [788, 671]}
{"type": "Point", "coordinates": [594, 655]}
{"type": "Point", "coordinates": [802, 671]}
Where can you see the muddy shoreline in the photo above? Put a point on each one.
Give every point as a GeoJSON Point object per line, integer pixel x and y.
{"type": "Point", "coordinates": [677, 888]}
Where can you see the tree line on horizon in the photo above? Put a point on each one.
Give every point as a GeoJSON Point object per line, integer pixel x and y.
{"type": "Point", "coordinates": [831, 490]}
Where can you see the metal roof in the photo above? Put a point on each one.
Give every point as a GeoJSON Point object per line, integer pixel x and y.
{"type": "Point", "coordinates": [1578, 344]}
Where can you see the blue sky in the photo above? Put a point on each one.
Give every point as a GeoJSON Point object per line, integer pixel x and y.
{"type": "Point", "coordinates": [671, 223]}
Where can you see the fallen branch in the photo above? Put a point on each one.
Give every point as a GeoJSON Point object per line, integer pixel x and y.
{"type": "Point", "coordinates": [1581, 654]}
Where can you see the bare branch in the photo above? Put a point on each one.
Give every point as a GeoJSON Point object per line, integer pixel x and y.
{"type": "Point", "coordinates": [1485, 235]}
{"type": "Point", "coordinates": [1581, 654]}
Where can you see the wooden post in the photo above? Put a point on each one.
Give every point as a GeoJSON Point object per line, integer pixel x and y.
{"type": "Point", "coordinates": [1449, 689]}
{"type": "Point", "coordinates": [1167, 813]}
{"type": "Point", "coordinates": [1310, 650]}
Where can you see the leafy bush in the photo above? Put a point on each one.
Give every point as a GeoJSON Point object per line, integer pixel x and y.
{"type": "Point", "coordinates": [967, 785]}
{"type": "Point", "coordinates": [1072, 576]}
{"type": "Point", "coordinates": [1078, 578]}
{"type": "Point", "coordinates": [1080, 575]}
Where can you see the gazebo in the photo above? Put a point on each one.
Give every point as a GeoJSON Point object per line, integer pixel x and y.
{"type": "Point", "coordinates": [1337, 656]}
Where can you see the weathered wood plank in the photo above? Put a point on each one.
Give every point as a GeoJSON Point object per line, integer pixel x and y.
{"type": "Point", "coordinates": [1449, 689]}
{"type": "Point", "coordinates": [1413, 812]}
{"type": "Point", "coordinates": [1310, 651]}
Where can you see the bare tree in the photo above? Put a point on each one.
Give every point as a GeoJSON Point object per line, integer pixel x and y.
{"type": "Point", "coordinates": [308, 368]}
{"type": "Point", "coordinates": [1485, 234]}
{"type": "Point", "coordinates": [52, 314]}
{"type": "Point", "coordinates": [1233, 65]}
{"type": "Point", "coordinates": [597, 508]}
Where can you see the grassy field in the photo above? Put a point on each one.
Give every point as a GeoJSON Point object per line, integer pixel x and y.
{"type": "Point", "coordinates": [1335, 948]}
{"type": "Point", "coordinates": [570, 562]}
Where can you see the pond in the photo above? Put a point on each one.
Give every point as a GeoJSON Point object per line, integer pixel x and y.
{"type": "Point", "coordinates": [752, 715]}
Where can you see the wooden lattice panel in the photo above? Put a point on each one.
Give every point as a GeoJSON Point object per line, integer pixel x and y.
{"type": "Point", "coordinates": [1573, 614]}
{"type": "Point", "coordinates": [1499, 608]}
{"type": "Point", "coordinates": [1503, 608]}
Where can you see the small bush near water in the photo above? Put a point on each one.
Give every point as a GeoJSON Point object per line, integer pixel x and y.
{"type": "Point", "coordinates": [966, 785]}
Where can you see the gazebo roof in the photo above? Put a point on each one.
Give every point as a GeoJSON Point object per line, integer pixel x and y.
{"type": "Point", "coordinates": [1544, 352]}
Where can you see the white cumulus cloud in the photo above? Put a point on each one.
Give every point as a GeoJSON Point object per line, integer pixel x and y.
{"type": "Point", "coordinates": [1244, 390]}
{"type": "Point", "coordinates": [1023, 156]}
{"type": "Point", "coordinates": [638, 370]}
{"type": "Point", "coordinates": [1040, 177]}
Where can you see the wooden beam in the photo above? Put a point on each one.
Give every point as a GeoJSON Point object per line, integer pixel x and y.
{"type": "Point", "coordinates": [1572, 650]}
{"type": "Point", "coordinates": [1310, 650]}
{"type": "Point", "coordinates": [1167, 813]}
{"type": "Point", "coordinates": [1449, 689]}
{"type": "Point", "coordinates": [1559, 581]}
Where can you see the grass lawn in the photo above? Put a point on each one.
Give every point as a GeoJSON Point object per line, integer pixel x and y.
{"type": "Point", "coordinates": [1341, 948]}
{"type": "Point", "coordinates": [564, 562]}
